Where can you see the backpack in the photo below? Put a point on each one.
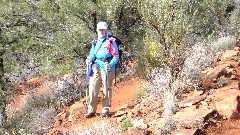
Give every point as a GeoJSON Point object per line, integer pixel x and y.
{"type": "Point", "coordinates": [120, 52]}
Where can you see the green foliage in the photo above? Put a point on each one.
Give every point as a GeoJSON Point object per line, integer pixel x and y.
{"type": "Point", "coordinates": [41, 34]}
{"type": "Point", "coordinates": [234, 22]}
{"type": "Point", "coordinates": [235, 15]}
{"type": "Point", "coordinates": [152, 53]}
{"type": "Point", "coordinates": [2, 95]}
{"type": "Point", "coordinates": [59, 69]}
{"type": "Point", "coordinates": [209, 16]}
{"type": "Point", "coordinates": [141, 68]}
{"type": "Point", "coordinates": [223, 43]}
{"type": "Point", "coordinates": [166, 27]}
{"type": "Point", "coordinates": [125, 124]}
{"type": "Point", "coordinates": [139, 94]}
{"type": "Point", "coordinates": [19, 124]}
{"type": "Point", "coordinates": [173, 26]}
{"type": "Point", "coordinates": [47, 34]}
{"type": "Point", "coordinates": [221, 82]}
{"type": "Point", "coordinates": [236, 58]}
{"type": "Point", "coordinates": [167, 20]}
{"type": "Point", "coordinates": [49, 37]}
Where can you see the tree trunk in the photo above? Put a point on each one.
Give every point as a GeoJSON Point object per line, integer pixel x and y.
{"type": "Point", "coordinates": [94, 16]}
{"type": "Point", "coordinates": [2, 95]}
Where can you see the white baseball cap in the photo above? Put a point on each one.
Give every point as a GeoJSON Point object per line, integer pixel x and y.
{"type": "Point", "coordinates": [102, 25]}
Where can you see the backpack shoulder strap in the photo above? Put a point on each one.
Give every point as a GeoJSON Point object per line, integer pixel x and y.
{"type": "Point", "coordinates": [99, 47]}
{"type": "Point", "coordinates": [118, 41]}
{"type": "Point", "coordinates": [94, 42]}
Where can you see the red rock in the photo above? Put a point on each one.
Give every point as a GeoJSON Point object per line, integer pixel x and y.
{"type": "Point", "coordinates": [228, 104]}
{"type": "Point", "coordinates": [134, 131]}
{"type": "Point", "coordinates": [208, 84]}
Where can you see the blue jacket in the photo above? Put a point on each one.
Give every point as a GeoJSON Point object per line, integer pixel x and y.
{"type": "Point", "coordinates": [103, 53]}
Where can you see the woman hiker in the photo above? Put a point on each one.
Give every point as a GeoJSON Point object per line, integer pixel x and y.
{"type": "Point", "coordinates": [104, 57]}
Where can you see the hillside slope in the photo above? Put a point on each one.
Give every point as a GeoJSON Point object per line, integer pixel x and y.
{"type": "Point", "coordinates": [215, 109]}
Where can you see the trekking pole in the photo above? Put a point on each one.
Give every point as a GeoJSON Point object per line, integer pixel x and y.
{"type": "Point", "coordinates": [89, 73]}
{"type": "Point", "coordinates": [87, 86]}
{"type": "Point", "coordinates": [108, 91]}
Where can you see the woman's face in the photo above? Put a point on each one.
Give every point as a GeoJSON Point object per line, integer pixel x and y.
{"type": "Point", "coordinates": [102, 32]}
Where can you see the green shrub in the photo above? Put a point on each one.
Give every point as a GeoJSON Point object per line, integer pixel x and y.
{"type": "Point", "coordinates": [59, 69]}
{"type": "Point", "coordinates": [221, 82]}
{"type": "Point", "coordinates": [234, 21]}
{"type": "Point", "coordinates": [126, 123]}
{"type": "Point", "coordinates": [139, 94]}
{"type": "Point", "coordinates": [141, 67]}
{"type": "Point", "coordinates": [19, 124]}
{"type": "Point", "coordinates": [152, 53]}
{"type": "Point", "coordinates": [223, 43]}
{"type": "Point", "coordinates": [236, 58]}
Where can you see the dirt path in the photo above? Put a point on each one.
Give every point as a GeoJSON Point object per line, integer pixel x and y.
{"type": "Point", "coordinates": [72, 118]}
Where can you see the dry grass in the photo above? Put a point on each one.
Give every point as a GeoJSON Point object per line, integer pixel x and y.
{"type": "Point", "coordinates": [103, 127]}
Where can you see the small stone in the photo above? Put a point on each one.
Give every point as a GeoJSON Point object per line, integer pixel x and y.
{"type": "Point", "coordinates": [120, 119]}
{"type": "Point", "coordinates": [144, 126]}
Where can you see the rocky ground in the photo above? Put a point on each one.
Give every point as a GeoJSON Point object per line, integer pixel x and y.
{"type": "Point", "coordinates": [213, 109]}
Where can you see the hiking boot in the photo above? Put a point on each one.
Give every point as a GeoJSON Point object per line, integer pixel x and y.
{"type": "Point", "coordinates": [105, 115]}
{"type": "Point", "coordinates": [89, 115]}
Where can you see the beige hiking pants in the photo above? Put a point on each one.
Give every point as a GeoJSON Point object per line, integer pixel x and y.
{"type": "Point", "coordinates": [98, 78]}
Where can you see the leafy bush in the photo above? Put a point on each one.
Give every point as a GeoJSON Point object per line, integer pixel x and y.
{"type": "Point", "coordinates": [166, 27]}
{"type": "Point", "coordinates": [141, 60]}
{"type": "Point", "coordinates": [125, 124]}
{"type": "Point", "coordinates": [221, 82]}
{"type": "Point", "coordinates": [138, 94]}
{"type": "Point", "coordinates": [222, 44]}
{"type": "Point", "coordinates": [236, 58]}
{"type": "Point", "coordinates": [152, 53]}
{"type": "Point", "coordinates": [172, 27]}
{"type": "Point", "coordinates": [142, 66]}
{"type": "Point", "coordinates": [234, 23]}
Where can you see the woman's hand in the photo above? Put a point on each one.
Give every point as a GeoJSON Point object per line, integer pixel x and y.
{"type": "Point", "coordinates": [107, 66]}
{"type": "Point", "coordinates": [88, 61]}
